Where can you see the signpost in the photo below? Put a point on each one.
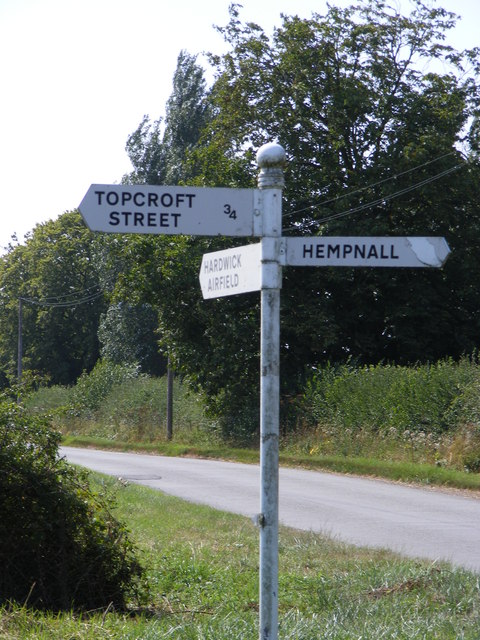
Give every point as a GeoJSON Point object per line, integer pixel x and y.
{"type": "Point", "coordinates": [244, 212]}
{"type": "Point", "coordinates": [171, 210]}
{"type": "Point", "coordinates": [225, 273]}
{"type": "Point", "coordinates": [328, 251]}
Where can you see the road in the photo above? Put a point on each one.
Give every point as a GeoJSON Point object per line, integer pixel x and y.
{"type": "Point", "coordinates": [414, 522]}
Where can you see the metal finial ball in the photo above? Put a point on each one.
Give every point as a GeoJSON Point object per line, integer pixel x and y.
{"type": "Point", "coordinates": [271, 155]}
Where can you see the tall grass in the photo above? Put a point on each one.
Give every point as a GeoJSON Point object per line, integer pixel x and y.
{"type": "Point", "coordinates": [427, 413]}
{"type": "Point", "coordinates": [116, 403]}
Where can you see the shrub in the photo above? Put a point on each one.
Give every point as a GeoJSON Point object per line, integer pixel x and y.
{"type": "Point", "coordinates": [134, 410]}
{"type": "Point", "coordinates": [60, 546]}
{"type": "Point", "coordinates": [137, 411]}
{"type": "Point", "coordinates": [424, 413]}
{"type": "Point", "coordinates": [92, 388]}
{"type": "Point", "coordinates": [48, 400]}
{"type": "Point", "coordinates": [382, 397]}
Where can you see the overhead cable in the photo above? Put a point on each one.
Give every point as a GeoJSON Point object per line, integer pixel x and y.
{"type": "Point", "coordinates": [378, 201]}
{"type": "Point", "coordinates": [67, 303]}
{"type": "Point", "coordinates": [372, 185]}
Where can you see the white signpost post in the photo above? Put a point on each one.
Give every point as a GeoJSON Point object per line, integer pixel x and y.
{"type": "Point", "coordinates": [303, 251]}
{"type": "Point", "coordinates": [251, 212]}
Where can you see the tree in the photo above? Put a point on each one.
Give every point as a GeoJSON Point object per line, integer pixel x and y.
{"type": "Point", "coordinates": [188, 111]}
{"type": "Point", "coordinates": [373, 145]}
{"type": "Point", "coordinates": [373, 137]}
{"type": "Point", "coordinates": [54, 273]}
{"type": "Point", "coordinates": [147, 154]}
{"type": "Point", "coordinates": [214, 344]}
{"type": "Point", "coordinates": [158, 158]}
{"type": "Point", "coordinates": [162, 272]}
{"type": "Point", "coordinates": [127, 334]}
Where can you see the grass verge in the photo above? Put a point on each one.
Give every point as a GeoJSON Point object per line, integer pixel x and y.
{"type": "Point", "coordinates": [390, 470]}
{"type": "Point", "coordinates": [203, 574]}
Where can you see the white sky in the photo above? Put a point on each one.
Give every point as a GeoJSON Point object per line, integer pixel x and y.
{"type": "Point", "coordinates": [77, 76]}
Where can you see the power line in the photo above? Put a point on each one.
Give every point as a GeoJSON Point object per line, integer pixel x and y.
{"type": "Point", "coordinates": [81, 292]}
{"type": "Point", "coordinates": [371, 186]}
{"type": "Point", "coordinates": [47, 302]}
{"type": "Point", "coordinates": [378, 201]}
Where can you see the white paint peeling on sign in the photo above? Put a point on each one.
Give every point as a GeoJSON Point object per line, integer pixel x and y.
{"type": "Point", "coordinates": [429, 251]}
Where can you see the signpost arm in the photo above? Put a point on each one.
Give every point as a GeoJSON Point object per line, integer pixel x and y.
{"type": "Point", "coordinates": [270, 158]}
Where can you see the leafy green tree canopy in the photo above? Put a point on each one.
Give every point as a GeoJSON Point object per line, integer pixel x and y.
{"type": "Point", "coordinates": [127, 334]}
{"type": "Point", "coordinates": [54, 273]}
{"type": "Point", "coordinates": [158, 152]}
{"type": "Point", "coordinates": [375, 112]}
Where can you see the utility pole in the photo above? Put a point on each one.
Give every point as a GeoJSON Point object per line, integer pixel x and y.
{"type": "Point", "coordinates": [170, 375]}
{"type": "Point", "coordinates": [20, 341]}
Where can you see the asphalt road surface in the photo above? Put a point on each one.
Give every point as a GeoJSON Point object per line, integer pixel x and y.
{"type": "Point", "coordinates": [414, 522]}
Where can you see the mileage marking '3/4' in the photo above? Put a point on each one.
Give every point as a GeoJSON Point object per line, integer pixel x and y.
{"type": "Point", "coordinates": [229, 211]}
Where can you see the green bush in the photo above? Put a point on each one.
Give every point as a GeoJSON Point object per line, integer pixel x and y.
{"type": "Point", "coordinates": [466, 407]}
{"type": "Point", "coordinates": [137, 411]}
{"type": "Point", "coordinates": [134, 409]}
{"type": "Point", "coordinates": [432, 398]}
{"type": "Point", "coordinates": [92, 388]}
{"type": "Point", "coordinates": [48, 400]}
{"type": "Point", "coordinates": [60, 546]}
